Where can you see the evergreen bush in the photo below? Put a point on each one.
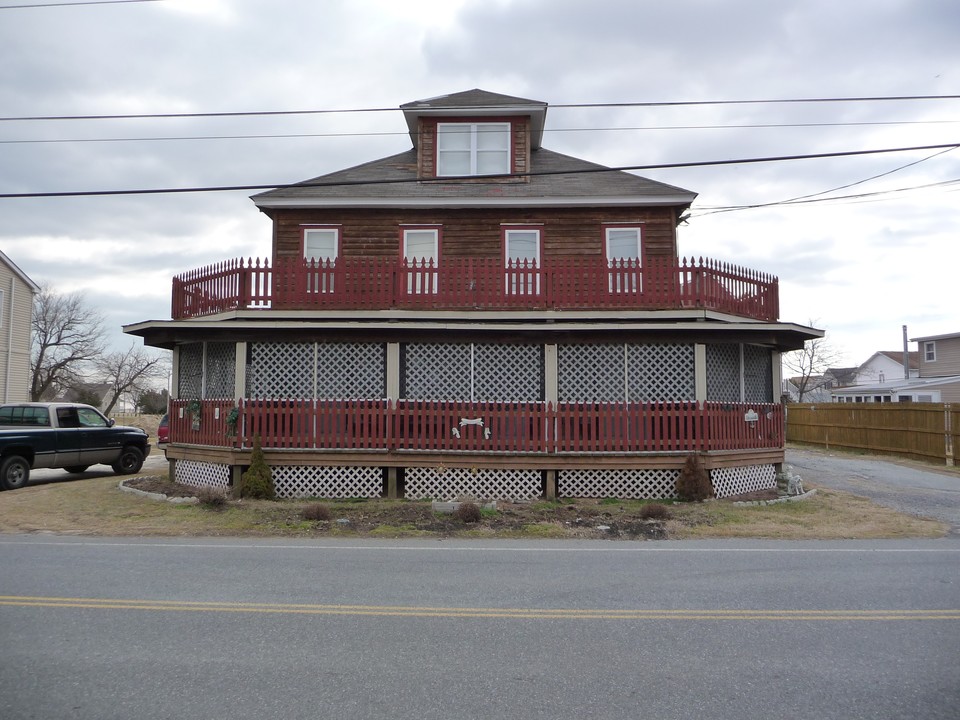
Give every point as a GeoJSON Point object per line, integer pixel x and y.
{"type": "Point", "coordinates": [257, 481]}
{"type": "Point", "coordinates": [693, 484]}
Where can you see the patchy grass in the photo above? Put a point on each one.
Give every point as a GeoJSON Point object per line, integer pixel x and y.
{"type": "Point", "coordinates": [97, 507]}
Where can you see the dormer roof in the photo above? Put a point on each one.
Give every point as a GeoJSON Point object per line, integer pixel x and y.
{"type": "Point", "coordinates": [476, 103]}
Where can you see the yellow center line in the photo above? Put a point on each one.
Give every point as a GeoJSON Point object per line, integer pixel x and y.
{"type": "Point", "coordinates": [479, 612]}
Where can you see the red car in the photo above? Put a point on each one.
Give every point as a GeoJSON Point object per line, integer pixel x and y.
{"type": "Point", "coordinates": [163, 431]}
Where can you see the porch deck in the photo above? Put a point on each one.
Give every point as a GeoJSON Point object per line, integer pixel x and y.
{"type": "Point", "coordinates": [560, 283]}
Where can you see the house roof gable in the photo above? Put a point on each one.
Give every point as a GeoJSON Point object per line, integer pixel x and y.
{"type": "Point", "coordinates": [476, 103]}
{"type": "Point", "coordinates": [19, 273]}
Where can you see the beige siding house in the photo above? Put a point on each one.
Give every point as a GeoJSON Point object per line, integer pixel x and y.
{"type": "Point", "coordinates": [16, 311]}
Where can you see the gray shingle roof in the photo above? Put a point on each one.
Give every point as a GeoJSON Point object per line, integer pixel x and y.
{"type": "Point", "coordinates": [555, 180]}
{"type": "Point", "coordinates": [475, 98]}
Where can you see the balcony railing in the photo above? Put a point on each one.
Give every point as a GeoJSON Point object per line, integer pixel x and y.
{"type": "Point", "coordinates": [451, 427]}
{"type": "Point", "coordinates": [563, 283]}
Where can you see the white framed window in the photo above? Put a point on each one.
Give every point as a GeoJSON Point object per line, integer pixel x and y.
{"type": "Point", "coordinates": [321, 246]}
{"type": "Point", "coordinates": [421, 251]}
{"type": "Point", "coordinates": [622, 246]}
{"type": "Point", "coordinates": [473, 149]}
{"type": "Point", "coordinates": [930, 351]}
{"type": "Point", "coordinates": [521, 250]}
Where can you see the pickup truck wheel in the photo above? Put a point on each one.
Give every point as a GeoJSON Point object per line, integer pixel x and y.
{"type": "Point", "coordinates": [76, 468]}
{"type": "Point", "coordinates": [14, 472]}
{"type": "Point", "coordinates": [129, 462]}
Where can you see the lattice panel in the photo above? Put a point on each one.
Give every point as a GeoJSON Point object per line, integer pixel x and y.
{"type": "Point", "coordinates": [482, 484]}
{"type": "Point", "coordinates": [221, 370]}
{"type": "Point", "coordinates": [280, 370]}
{"type": "Point", "coordinates": [198, 474]}
{"type": "Point", "coordinates": [723, 372]}
{"type": "Point", "coordinates": [590, 373]}
{"type": "Point", "coordinates": [757, 374]}
{"type": "Point", "coordinates": [437, 371]}
{"type": "Point", "coordinates": [327, 482]}
{"type": "Point", "coordinates": [660, 372]}
{"type": "Point", "coordinates": [739, 480]}
{"type": "Point", "coordinates": [633, 484]}
{"type": "Point", "coordinates": [507, 373]}
{"type": "Point", "coordinates": [351, 371]}
{"type": "Point", "coordinates": [190, 381]}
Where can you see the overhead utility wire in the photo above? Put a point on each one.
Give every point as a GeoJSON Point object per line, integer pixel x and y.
{"type": "Point", "coordinates": [473, 179]}
{"type": "Point", "coordinates": [807, 198]}
{"type": "Point", "coordinates": [65, 4]}
{"type": "Point", "coordinates": [679, 103]}
{"type": "Point", "coordinates": [546, 130]}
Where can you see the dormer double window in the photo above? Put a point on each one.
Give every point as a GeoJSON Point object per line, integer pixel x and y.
{"type": "Point", "coordinates": [465, 148]}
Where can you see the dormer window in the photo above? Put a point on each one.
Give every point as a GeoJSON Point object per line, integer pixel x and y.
{"type": "Point", "coordinates": [465, 149]}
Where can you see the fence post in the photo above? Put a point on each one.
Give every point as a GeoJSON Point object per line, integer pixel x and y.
{"type": "Point", "coordinates": [948, 435]}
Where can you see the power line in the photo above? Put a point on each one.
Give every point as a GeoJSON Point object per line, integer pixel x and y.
{"type": "Point", "coordinates": [475, 179]}
{"type": "Point", "coordinates": [65, 4]}
{"type": "Point", "coordinates": [806, 198]}
{"type": "Point", "coordinates": [649, 128]}
{"type": "Point", "coordinates": [679, 103]}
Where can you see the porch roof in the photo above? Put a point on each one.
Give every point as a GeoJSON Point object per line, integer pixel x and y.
{"type": "Point", "coordinates": [398, 325]}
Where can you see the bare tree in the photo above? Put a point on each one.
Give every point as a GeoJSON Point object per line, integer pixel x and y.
{"type": "Point", "coordinates": [133, 371]}
{"type": "Point", "coordinates": [67, 336]}
{"type": "Point", "coordinates": [808, 366]}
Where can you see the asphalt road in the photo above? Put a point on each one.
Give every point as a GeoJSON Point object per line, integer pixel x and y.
{"type": "Point", "coordinates": [914, 488]}
{"type": "Point", "coordinates": [221, 628]}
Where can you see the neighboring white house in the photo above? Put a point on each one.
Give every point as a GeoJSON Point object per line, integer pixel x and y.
{"type": "Point", "coordinates": [16, 314]}
{"type": "Point", "coordinates": [934, 374]}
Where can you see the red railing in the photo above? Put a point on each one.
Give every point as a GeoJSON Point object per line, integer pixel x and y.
{"type": "Point", "coordinates": [356, 283]}
{"type": "Point", "coordinates": [432, 426]}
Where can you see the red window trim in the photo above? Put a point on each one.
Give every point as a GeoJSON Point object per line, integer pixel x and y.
{"type": "Point", "coordinates": [428, 226]}
{"type": "Point", "coordinates": [521, 226]}
{"type": "Point", "coordinates": [641, 251]}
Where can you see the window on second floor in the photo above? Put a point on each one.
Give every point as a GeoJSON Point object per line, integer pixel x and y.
{"type": "Point", "coordinates": [473, 149]}
{"type": "Point", "coordinates": [421, 251]}
{"type": "Point", "coordinates": [930, 351]}
{"type": "Point", "coordinates": [622, 245]}
{"type": "Point", "coordinates": [321, 246]}
{"type": "Point", "coordinates": [521, 250]}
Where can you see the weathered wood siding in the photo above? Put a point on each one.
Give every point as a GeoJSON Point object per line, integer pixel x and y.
{"type": "Point", "coordinates": [476, 233]}
{"type": "Point", "coordinates": [15, 316]}
{"type": "Point", "coordinates": [947, 362]}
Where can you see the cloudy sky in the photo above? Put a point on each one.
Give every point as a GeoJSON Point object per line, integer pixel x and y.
{"type": "Point", "coordinates": [882, 254]}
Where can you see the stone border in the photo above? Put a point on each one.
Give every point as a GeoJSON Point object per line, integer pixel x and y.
{"type": "Point", "coordinates": [157, 496]}
{"type": "Point", "coordinates": [786, 498]}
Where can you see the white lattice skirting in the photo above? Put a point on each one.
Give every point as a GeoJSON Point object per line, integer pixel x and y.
{"type": "Point", "coordinates": [633, 484]}
{"type": "Point", "coordinates": [739, 480]}
{"type": "Point", "coordinates": [327, 482]}
{"type": "Point", "coordinates": [197, 474]}
{"type": "Point", "coordinates": [482, 484]}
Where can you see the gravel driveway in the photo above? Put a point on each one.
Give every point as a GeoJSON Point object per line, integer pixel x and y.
{"type": "Point", "coordinates": [909, 487]}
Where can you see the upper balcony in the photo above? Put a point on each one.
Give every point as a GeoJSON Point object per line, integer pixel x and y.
{"type": "Point", "coordinates": [560, 283]}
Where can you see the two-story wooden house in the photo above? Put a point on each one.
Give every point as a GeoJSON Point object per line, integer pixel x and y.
{"type": "Point", "coordinates": [16, 315]}
{"type": "Point", "coordinates": [476, 316]}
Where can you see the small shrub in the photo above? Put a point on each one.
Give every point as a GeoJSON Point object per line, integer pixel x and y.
{"type": "Point", "coordinates": [316, 512]}
{"type": "Point", "coordinates": [693, 484]}
{"type": "Point", "coordinates": [468, 512]}
{"type": "Point", "coordinates": [257, 481]}
{"type": "Point", "coordinates": [211, 498]}
{"type": "Point", "coordinates": [655, 511]}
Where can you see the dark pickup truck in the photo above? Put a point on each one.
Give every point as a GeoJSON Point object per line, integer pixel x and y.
{"type": "Point", "coordinates": [64, 435]}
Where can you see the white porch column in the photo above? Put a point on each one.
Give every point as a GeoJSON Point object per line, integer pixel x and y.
{"type": "Point", "coordinates": [240, 372]}
{"type": "Point", "coordinates": [551, 394]}
{"type": "Point", "coordinates": [700, 372]}
{"type": "Point", "coordinates": [393, 394]}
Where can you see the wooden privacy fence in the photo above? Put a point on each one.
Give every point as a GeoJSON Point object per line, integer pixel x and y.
{"type": "Point", "coordinates": [498, 427]}
{"type": "Point", "coordinates": [923, 431]}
